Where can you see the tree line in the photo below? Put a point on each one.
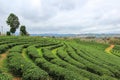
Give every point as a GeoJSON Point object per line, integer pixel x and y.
{"type": "Point", "coordinates": [13, 22]}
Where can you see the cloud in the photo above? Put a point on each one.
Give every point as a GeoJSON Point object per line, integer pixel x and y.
{"type": "Point", "coordinates": [64, 16]}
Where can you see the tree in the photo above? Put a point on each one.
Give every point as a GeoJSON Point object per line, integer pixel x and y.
{"type": "Point", "coordinates": [8, 33]}
{"type": "Point", "coordinates": [12, 30]}
{"type": "Point", "coordinates": [23, 30]}
{"type": "Point", "coordinates": [14, 23]}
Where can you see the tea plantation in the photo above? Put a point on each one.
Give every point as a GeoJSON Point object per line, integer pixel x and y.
{"type": "Point", "coordinates": [38, 58]}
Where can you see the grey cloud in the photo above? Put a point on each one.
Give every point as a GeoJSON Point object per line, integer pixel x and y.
{"type": "Point", "coordinates": [64, 16]}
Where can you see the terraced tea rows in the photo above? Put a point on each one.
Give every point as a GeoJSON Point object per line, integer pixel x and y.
{"type": "Point", "coordinates": [36, 58]}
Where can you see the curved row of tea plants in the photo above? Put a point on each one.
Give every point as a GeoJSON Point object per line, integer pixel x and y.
{"type": "Point", "coordinates": [37, 58]}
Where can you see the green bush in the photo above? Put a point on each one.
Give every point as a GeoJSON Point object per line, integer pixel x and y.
{"type": "Point", "coordinates": [58, 72]}
{"type": "Point", "coordinates": [47, 54]}
{"type": "Point", "coordinates": [8, 33]}
{"type": "Point", "coordinates": [32, 72]}
{"type": "Point", "coordinates": [20, 67]}
{"type": "Point", "coordinates": [32, 52]}
{"type": "Point", "coordinates": [15, 61]}
{"type": "Point", "coordinates": [17, 49]}
{"type": "Point", "coordinates": [3, 48]}
{"type": "Point", "coordinates": [5, 77]}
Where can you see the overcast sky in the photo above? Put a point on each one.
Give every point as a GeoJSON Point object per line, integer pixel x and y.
{"type": "Point", "coordinates": [63, 16]}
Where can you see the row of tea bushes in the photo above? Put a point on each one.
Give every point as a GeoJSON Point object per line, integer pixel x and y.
{"type": "Point", "coordinates": [26, 69]}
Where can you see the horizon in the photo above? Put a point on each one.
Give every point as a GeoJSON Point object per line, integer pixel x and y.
{"type": "Point", "coordinates": [64, 16]}
{"type": "Point", "coordinates": [76, 33]}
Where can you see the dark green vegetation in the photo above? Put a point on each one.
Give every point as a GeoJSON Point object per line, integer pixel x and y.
{"type": "Point", "coordinates": [23, 31]}
{"type": "Point", "coordinates": [13, 22]}
{"type": "Point", "coordinates": [37, 58]}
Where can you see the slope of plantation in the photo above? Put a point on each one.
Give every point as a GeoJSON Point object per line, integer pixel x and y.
{"type": "Point", "coordinates": [37, 58]}
{"type": "Point", "coordinates": [116, 51]}
{"type": "Point", "coordinates": [9, 42]}
{"type": "Point", "coordinates": [100, 58]}
{"type": "Point", "coordinates": [57, 72]}
{"type": "Point", "coordinates": [21, 67]}
{"type": "Point", "coordinates": [93, 44]}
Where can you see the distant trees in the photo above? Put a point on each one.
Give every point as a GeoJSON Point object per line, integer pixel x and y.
{"type": "Point", "coordinates": [23, 31]}
{"type": "Point", "coordinates": [14, 23]}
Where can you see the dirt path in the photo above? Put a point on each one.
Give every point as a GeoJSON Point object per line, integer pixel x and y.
{"type": "Point", "coordinates": [17, 78]}
{"type": "Point", "coordinates": [3, 57]}
{"type": "Point", "coordinates": [109, 48]}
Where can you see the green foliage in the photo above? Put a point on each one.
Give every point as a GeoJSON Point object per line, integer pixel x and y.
{"type": "Point", "coordinates": [3, 48]}
{"type": "Point", "coordinates": [32, 52]}
{"type": "Point", "coordinates": [17, 49]}
{"type": "Point", "coordinates": [64, 56]}
{"type": "Point", "coordinates": [36, 58]}
{"type": "Point", "coordinates": [15, 61]}
{"type": "Point", "coordinates": [8, 33]}
{"type": "Point", "coordinates": [32, 72]}
{"type": "Point", "coordinates": [5, 77]}
{"type": "Point", "coordinates": [23, 31]}
{"type": "Point", "coordinates": [58, 72]}
{"type": "Point", "coordinates": [12, 30]}
{"type": "Point", "coordinates": [55, 46]}
{"type": "Point", "coordinates": [20, 67]}
{"type": "Point", "coordinates": [13, 21]}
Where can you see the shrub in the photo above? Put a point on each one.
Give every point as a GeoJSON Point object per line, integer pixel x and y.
{"type": "Point", "coordinates": [5, 77]}
{"type": "Point", "coordinates": [32, 52]}
{"type": "Point", "coordinates": [8, 33]}
{"type": "Point", "coordinates": [20, 67]}
{"type": "Point", "coordinates": [3, 48]}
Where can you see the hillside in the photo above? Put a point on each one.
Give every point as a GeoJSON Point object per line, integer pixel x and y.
{"type": "Point", "coordinates": [38, 58]}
